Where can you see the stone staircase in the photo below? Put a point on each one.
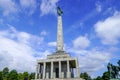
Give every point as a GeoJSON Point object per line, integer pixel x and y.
{"type": "Point", "coordinates": [62, 79]}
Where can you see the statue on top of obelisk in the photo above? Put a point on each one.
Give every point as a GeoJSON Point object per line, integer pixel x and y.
{"type": "Point", "coordinates": [59, 11]}
{"type": "Point", "coordinates": [60, 43]}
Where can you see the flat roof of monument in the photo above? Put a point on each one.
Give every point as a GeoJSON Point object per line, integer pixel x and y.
{"type": "Point", "coordinates": [56, 59]}
{"type": "Point", "coordinates": [72, 60]}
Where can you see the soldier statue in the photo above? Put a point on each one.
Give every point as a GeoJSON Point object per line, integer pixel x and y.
{"type": "Point", "coordinates": [59, 11]}
{"type": "Point", "coordinates": [114, 70]}
{"type": "Point", "coordinates": [110, 70]}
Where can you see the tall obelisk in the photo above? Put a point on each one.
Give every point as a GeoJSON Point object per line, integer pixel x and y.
{"type": "Point", "coordinates": [60, 43]}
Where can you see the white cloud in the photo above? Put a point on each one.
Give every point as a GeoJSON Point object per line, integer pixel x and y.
{"type": "Point", "coordinates": [81, 42]}
{"type": "Point", "coordinates": [98, 6]}
{"type": "Point", "coordinates": [91, 60]}
{"type": "Point", "coordinates": [52, 44]}
{"type": "Point", "coordinates": [18, 55]}
{"type": "Point", "coordinates": [109, 29]}
{"type": "Point", "coordinates": [110, 11]}
{"type": "Point", "coordinates": [44, 54]}
{"type": "Point", "coordinates": [48, 7]}
{"type": "Point", "coordinates": [24, 37]}
{"type": "Point", "coordinates": [43, 33]}
{"type": "Point", "coordinates": [27, 38]}
{"type": "Point", "coordinates": [8, 7]}
{"type": "Point", "coordinates": [29, 5]}
{"type": "Point", "coordinates": [18, 50]}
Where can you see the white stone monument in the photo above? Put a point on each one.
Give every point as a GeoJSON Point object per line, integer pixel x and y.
{"type": "Point", "coordinates": [59, 65]}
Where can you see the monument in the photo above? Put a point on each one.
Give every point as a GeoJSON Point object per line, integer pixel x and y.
{"type": "Point", "coordinates": [59, 65]}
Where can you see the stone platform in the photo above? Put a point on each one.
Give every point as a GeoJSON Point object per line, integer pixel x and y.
{"type": "Point", "coordinates": [62, 79]}
{"type": "Point", "coordinates": [114, 79]}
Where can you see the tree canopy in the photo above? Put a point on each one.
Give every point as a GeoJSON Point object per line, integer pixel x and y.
{"type": "Point", "coordinates": [85, 76]}
{"type": "Point", "coordinates": [5, 74]}
{"type": "Point", "coordinates": [14, 75]}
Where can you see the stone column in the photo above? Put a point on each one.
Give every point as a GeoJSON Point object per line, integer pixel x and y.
{"type": "Point", "coordinates": [44, 67]}
{"type": "Point", "coordinates": [52, 70]}
{"type": "Point", "coordinates": [77, 69]}
{"type": "Point", "coordinates": [59, 69]}
{"type": "Point", "coordinates": [38, 68]}
{"type": "Point", "coordinates": [36, 72]}
{"type": "Point", "coordinates": [68, 69]}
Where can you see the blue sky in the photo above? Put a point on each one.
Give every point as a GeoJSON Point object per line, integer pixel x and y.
{"type": "Point", "coordinates": [28, 32]}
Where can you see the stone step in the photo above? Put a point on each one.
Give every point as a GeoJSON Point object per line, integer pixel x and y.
{"type": "Point", "coordinates": [62, 79]}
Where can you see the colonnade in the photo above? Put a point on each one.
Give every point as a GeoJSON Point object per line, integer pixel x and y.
{"type": "Point", "coordinates": [56, 71]}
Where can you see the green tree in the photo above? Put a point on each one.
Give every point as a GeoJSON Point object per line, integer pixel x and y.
{"type": "Point", "coordinates": [1, 76]}
{"type": "Point", "coordinates": [106, 76]}
{"type": "Point", "coordinates": [13, 75]}
{"type": "Point", "coordinates": [25, 75]}
{"type": "Point", "coordinates": [32, 76]}
{"type": "Point", "coordinates": [118, 63]}
{"type": "Point", "coordinates": [20, 76]}
{"type": "Point", "coordinates": [5, 73]}
{"type": "Point", "coordinates": [85, 76]}
{"type": "Point", "coordinates": [98, 78]}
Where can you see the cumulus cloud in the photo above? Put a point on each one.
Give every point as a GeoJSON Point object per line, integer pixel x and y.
{"type": "Point", "coordinates": [81, 42]}
{"type": "Point", "coordinates": [29, 5]}
{"type": "Point", "coordinates": [52, 44]}
{"type": "Point", "coordinates": [8, 7]}
{"type": "Point", "coordinates": [48, 7]}
{"type": "Point", "coordinates": [18, 50]}
{"type": "Point", "coordinates": [109, 29]}
{"type": "Point", "coordinates": [91, 61]}
{"type": "Point", "coordinates": [43, 33]}
{"type": "Point", "coordinates": [98, 7]}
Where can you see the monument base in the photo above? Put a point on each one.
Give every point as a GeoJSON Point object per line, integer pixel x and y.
{"type": "Point", "coordinates": [62, 79]}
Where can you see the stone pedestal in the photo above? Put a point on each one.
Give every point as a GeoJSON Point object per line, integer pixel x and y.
{"type": "Point", "coordinates": [62, 75]}
{"type": "Point", "coordinates": [63, 79]}
{"type": "Point", "coordinates": [40, 76]}
{"type": "Point", "coordinates": [54, 75]}
{"type": "Point", "coordinates": [68, 74]}
{"type": "Point", "coordinates": [47, 75]}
